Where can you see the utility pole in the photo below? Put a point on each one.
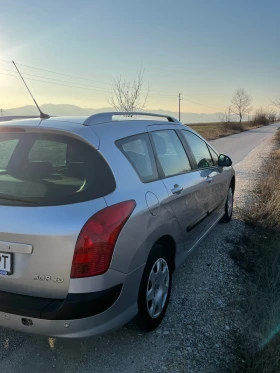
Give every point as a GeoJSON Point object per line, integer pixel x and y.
{"type": "Point", "coordinates": [180, 99]}
{"type": "Point", "coordinates": [229, 113]}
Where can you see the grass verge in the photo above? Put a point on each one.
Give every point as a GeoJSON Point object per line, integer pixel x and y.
{"type": "Point", "coordinates": [211, 131]}
{"type": "Point", "coordinates": [259, 254]}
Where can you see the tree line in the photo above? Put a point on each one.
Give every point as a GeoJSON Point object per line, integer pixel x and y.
{"type": "Point", "coordinates": [130, 95]}
{"type": "Point", "coordinates": [241, 106]}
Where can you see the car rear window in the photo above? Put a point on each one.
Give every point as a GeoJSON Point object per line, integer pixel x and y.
{"type": "Point", "coordinates": [46, 169]}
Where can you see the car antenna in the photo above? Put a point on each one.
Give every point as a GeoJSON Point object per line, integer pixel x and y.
{"type": "Point", "coordinates": [42, 115]}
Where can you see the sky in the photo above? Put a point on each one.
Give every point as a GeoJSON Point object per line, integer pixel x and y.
{"type": "Point", "coordinates": [205, 49]}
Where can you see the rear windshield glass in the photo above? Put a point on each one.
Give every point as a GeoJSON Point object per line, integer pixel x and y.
{"type": "Point", "coordinates": [46, 169]}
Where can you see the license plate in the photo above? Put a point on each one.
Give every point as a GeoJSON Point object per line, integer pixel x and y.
{"type": "Point", "coordinates": [5, 264]}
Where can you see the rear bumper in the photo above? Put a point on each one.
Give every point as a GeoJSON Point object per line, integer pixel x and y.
{"type": "Point", "coordinates": [79, 315]}
{"type": "Point", "coordinates": [74, 306]}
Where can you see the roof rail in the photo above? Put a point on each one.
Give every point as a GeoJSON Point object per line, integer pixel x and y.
{"type": "Point", "coordinates": [108, 117]}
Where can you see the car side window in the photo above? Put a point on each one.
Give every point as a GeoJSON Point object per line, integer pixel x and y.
{"type": "Point", "coordinates": [138, 151]}
{"type": "Point", "coordinates": [214, 156]}
{"type": "Point", "coordinates": [199, 149]}
{"type": "Point", "coordinates": [170, 153]}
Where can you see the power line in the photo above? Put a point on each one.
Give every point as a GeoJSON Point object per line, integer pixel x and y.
{"type": "Point", "coordinates": [58, 80]}
{"type": "Point", "coordinates": [76, 77]}
{"type": "Point", "coordinates": [65, 85]}
{"type": "Point", "coordinates": [54, 72]}
{"type": "Point", "coordinates": [42, 115]}
{"type": "Point", "coordinates": [161, 92]}
{"type": "Point", "coordinates": [83, 86]}
{"type": "Point", "coordinates": [164, 95]}
{"type": "Point", "coordinates": [72, 76]}
{"type": "Point", "coordinates": [197, 102]}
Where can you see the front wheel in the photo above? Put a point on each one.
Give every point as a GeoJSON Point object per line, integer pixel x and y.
{"type": "Point", "coordinates": [155, 289]}
{"type": "Point", "coordinates": [229, 206]}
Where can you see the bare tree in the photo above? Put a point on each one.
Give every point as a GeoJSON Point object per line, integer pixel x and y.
{"type": "Point", "coordinates": [271, 115]}
{"type": "Point", "coordinates": [129, 95]}
{"type": "Point", "coordinates": [276, 102]}
{"type": "Point", "coordinates": [241, 103]}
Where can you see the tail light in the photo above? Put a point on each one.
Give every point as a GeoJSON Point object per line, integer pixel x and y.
{"type": "Point", "coordinates": [97, 239]}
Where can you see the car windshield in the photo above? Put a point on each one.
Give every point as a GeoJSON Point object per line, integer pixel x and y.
{"type": "Point", "coordinates": [45, 169]}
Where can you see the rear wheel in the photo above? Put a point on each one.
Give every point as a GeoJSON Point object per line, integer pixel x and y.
{"type": "Point", "coordinates": [155, 289]}
{"type": "Point", "coordinates": [229, 206]}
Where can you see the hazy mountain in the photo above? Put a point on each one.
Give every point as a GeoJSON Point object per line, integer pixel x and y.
{"type": "Point", "coordinates": [60, 110]}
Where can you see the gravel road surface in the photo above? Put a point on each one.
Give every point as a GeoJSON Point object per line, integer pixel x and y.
{"type": "Point", "coordinates": [204, 318]}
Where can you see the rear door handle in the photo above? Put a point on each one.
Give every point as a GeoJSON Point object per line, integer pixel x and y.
{"type": "Point", "coordinates": [209, 179]}
{"type": "Point", "coordinates": [177, 189]}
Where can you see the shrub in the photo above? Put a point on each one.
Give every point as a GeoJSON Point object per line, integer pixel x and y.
{"type": "Point", "coordinates": [264, 117]}
{"type": "Point", "coordinates": [236, 126]}
{"type": "Point", "coordinates": [261, 119]}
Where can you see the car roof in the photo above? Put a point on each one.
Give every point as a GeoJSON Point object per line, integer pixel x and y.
{"type": "Point", "coordinates": [101, 124]}
{"type": "Point", "coordinates": [71, 123]}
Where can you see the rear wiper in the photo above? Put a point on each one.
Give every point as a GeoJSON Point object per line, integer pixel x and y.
{"type": "Point", "coordinates": [9, 197]}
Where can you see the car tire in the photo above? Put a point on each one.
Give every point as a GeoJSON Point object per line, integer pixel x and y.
{"type": "Point", "coordinates": [228, 206]}
{"type": "Point", "coordinates": [155, 289]}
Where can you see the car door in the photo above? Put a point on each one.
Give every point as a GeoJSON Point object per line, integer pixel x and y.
{"type": "Point", "coordinates": [185, 187]}
{"type": "Point", "coordinates": [206, 161]}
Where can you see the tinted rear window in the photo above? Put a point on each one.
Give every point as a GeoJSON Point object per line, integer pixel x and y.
{"type": "Point", "coordinates": [44, 169]}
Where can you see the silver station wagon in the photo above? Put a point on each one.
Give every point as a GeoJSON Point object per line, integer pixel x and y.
{"type": "Point", "coordinates": [96, 214]}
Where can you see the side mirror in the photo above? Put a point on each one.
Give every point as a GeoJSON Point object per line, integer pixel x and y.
{"type": "Point", "coordinates": [224, 161]}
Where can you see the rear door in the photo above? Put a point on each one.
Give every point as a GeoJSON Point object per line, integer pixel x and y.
{"type": "Point", "coordinates": [50, 185]}
{"type": "Point", "coordinates": [185, 187]}
{"type": "Point", "coordinates": [206, 163]}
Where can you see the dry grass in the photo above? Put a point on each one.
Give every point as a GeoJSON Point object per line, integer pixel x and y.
{"type": "Point", "coordinates": [277, 138]}
{"type": "Point", "coordinates": [211, 131]}
{"type": "Point", "coordinates": [259, 252]}
{"type": "Point", "coordinates": [265, 209]}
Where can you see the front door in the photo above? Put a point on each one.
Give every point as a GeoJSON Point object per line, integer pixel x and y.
{"type": "Point", "coordinates": [206, 165]}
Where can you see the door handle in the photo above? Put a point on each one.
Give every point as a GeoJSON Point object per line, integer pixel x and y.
{"type": "Point", "coordinates": [177, 189]}
{"type": "Point", "coordinates": [209, 179]}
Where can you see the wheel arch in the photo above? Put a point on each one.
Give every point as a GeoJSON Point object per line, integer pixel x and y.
{"type": "Point", "coordinates": [169, 243]}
